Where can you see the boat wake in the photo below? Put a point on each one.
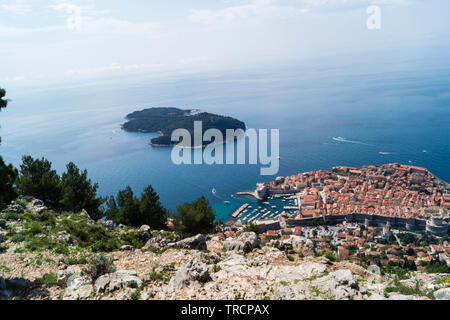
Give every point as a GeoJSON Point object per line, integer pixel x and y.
{"type": "Point", "coordinates": [341, 139]}
{"type": "Point", "coordinates": [386, 153]}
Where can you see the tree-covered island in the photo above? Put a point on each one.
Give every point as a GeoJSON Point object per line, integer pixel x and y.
{"type": "Point", "coordinates": [166, 120]}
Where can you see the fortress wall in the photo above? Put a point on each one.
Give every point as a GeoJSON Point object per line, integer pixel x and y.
{"type": "Point", "coordinates": [374, 220]}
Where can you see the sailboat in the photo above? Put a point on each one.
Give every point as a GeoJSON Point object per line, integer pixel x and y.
{"type": "Point", "coordinates": [213, 191]}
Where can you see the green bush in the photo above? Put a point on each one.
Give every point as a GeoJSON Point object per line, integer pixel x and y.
{"type": "Point", "coordinates": [100, 265]}
{"type": "Point", "coordinates": [195, 217]}
{"type": "Point", "coordinates": [48, 280]}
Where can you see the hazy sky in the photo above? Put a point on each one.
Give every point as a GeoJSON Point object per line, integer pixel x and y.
{"type": "Point", "coordinates": [43, 41]}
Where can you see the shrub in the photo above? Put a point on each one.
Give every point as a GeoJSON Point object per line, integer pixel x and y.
{"type": "Point", "coordinates": [48, 280]}
{"type": "Point", "coordinates": [8, 175]}
{"type": "Point", "coordinates": [136, 295]}
{"type": "Point", "coordinates": [195, 217]}
{"type": "Point", "coordinates": [252, 228]}
{"type": "Point", "coordinates": [100, 265]}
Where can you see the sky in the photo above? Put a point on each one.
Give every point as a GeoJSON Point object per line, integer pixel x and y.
{"type": "Point", "coordinates": [57, 41]}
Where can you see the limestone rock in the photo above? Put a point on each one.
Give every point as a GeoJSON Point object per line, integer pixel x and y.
{"type": "Point", "coordinates": [374, 269]}
{"type": "Point", "coordinates": [246, 242]}
{"type": "Point", "coordinates": [66, 237]}
{"type": "Point", "coordinates": [311, 269]}
{"type": "Point", "coordinates": [196, 242]}
{"type": "Point", "coordinates": [109, 224]}
{"type": "Point", "coordinates": [344, 277]}
{"type": "Point", "coordinates": [442, 294]}
{"type": "Point", "coordinates": [192, 271]}
{"type": "Point", "coordinates": [396, 296]}
{"type": "Point", "coordinates": [117, 280]}
{"type": "Point", "coordinates": [71, 272]}
{"type": "Point", "coordinates": [15, 208]}
{"type": "Point", "coordinates": [37, 207]}
{"type": "Point", "coordinates": [78, 288]}
{"type": "Point", "coordinates": [86, 215]}
{"type": "Point", "coordinates": [146, 231]}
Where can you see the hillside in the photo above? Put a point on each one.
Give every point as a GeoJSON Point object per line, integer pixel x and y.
{"type": "Point", "coordinates": [68, 256]}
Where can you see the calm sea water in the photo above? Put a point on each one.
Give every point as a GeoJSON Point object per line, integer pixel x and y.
{"type": "Point", "coordinates": [346, 114]}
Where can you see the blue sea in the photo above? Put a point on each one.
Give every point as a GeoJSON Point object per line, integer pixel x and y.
{"type": "Point", "coordinates": [335, 111]}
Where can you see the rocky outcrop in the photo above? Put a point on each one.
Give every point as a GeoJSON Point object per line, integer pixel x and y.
{"type": "Point", "coordinates": [117, 280]}
{"type": "Point", "coordinates": [158, 242]}
{"type": "Point", "coordinates": [146, 232]}
{"type": "Point", "coordinates": [192, 271]}
{"type": "Point", "coordinates": [197, 242]}
{"type": "Point", "coordinates": [86, 215]}
{"type": "Point", "coordinates": [442, 294]}
{"type": "Point", "coordinates": [14, 207]}
{"type": "Point", "coordinates": [37, 207]}
{"type": "Point", "coordinates": [78, 288]}
{"type": "Point", "coordinates": [67, 238]}
{"type": "Point", "coordinates": [245, 242]}
{"type": "Point", "coordinates": [109, 224]}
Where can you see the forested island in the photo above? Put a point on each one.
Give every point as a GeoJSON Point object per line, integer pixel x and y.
{"type": "Point", "coordinates": [166, 120]}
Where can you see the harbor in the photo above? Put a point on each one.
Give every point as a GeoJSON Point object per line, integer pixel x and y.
{"type": "Point", "coordinates": [249, 210]}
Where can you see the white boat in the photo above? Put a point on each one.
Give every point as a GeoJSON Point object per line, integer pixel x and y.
{"type": "Point", "coordinates": [213, 190]}
{"type": "Point", "coordinates": [226, 202]}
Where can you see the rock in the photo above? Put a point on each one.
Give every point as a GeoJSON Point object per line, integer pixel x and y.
{"type": "Point", "coordinates": [37, 207]}
{"type": "Point", "coordinates": [117, 280]}
{"type": "Point", "coordinates": [192, 271]}
{"type": "Point", "coordinates": [196, 242]}
{"type": "Point", "coordinates": [15, 208]}
{"type": "Point", "coordinates": [85, 214]}
{"type": "Point", "coordinates": [36, 203]}
{"type": "Point", "coordinates": [158, 242]}
{"type": "Point", "coordinates": [246, 242]}
{"type": "Point", "coordinates": [146, 231]}
{"type": "Point", "coordinates": [345, 277]}
{"type": "Point", "coordinates": [109, 224]}
{"type": "Point", "coordinates": [442, 294]}
{"type": "Point", "coordinates": [396, 296]}
{"type": "Point", "coordinates": [63, 276]}
{"type": "Point", "coordinates": [3, 224]}
{"type": "Point", "coordinates": [66, 237]}
{"type": "Point", "coordinates": [311, 269]}
{"type": "Point", "coordinates": [126, 247]}
{"type": "Point", "coordinates": [78, 288]}
{"type": "Point", "coordinates": [373, 268]}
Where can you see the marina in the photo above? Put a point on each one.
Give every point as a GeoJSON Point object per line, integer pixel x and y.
{"type": "Point", "coordinates": [240, 210]}
{"type": "Point", "coordinates": [251, 211]}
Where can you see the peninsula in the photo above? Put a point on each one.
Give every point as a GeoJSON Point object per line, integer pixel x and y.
{"type": "Point", "coordinates": [166, 120]}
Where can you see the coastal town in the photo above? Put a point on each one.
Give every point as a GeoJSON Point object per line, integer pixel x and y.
{"type": "Point", "coordinates": [391, 215]}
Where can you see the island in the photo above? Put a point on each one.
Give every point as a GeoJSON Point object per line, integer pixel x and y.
{"type": "Point", "coordinates": [166, 120]}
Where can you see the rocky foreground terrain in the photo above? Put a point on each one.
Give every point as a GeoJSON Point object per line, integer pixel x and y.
{"type": "Point", "coordinates": [44, 255]}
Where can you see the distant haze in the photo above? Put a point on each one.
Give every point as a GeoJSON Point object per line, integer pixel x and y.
{"type": "Point", "coordinates": [44, 42]}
